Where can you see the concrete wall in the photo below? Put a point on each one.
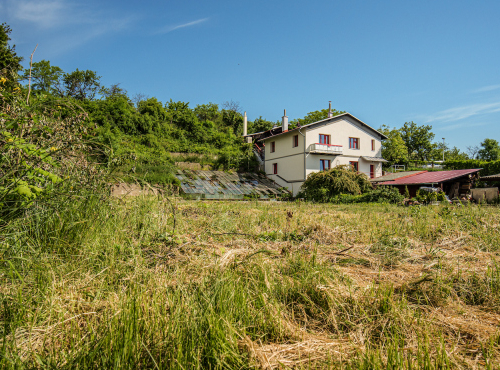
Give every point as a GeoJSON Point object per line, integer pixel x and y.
{"type": "Point", "coordinates": [485, 194]}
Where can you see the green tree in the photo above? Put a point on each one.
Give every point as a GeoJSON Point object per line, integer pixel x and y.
{"type": "Point", "coordinates": [259, 125]}
{"type": "Point", "coordinates": [115, 112]}
{"type": "Point", "coordinates": [233, 119]}
{"type": "Point", "coordinates": [455, 154]}
{"type": "Point", "coordinates": [81, 85]}
{"type": "Point", "coordinates": [394, 148]}
{"type": "Point", "coordinates": [418, 140]}
{"type": "Point", "coordinates": [10, 63]}
{"type": "Point", "coordinates": [153, 108]}
{"type": "Point", "coordinates": [113, 91]}
{"type": "Point", "coordinates": [314, 116]}
{"type": "Point", "coordinates": [490, 150]}
{"type": "Point", "coordinates": [206, 112]}
{"type": "Point", "coordinates": [44, 77]}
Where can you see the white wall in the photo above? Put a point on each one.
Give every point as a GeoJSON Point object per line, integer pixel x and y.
{"type": "Point", "coordinates": [341, 130]}
{"type": "Point", "coordinates": [284, 145]}
{"type": "Point", "coordinates": [290, 160]}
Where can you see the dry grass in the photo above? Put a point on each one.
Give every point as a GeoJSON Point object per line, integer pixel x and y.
{"type": "Point", "coordinates": [258, 285]}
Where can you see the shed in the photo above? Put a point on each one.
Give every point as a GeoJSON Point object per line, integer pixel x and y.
{"type": "Point", "coordinates": [454, 183]}
{"type": "Point", "coordinates": [492, 178]}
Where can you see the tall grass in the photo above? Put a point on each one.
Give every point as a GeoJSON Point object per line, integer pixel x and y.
{"type": "Point", "coordinates": [95, 282]}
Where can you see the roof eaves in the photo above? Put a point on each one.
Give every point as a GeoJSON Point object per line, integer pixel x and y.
{"type": "Point", "coordinates": [327, 119]}
{"type": "Point", "coordinates": [399, 178]}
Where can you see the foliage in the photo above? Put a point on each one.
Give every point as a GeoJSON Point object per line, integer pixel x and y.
{"type": "Point", "coordinates": [323, 186]}
{"type": "Point", "coordinates": [430, 196]}
{"type": "Point", "coordinates": [383, 194]}
{"type": "Point", "coordinates": [44, 77]}
{"type": "Point", "coordinates": [314, 116]}
{"type": "Point", "coordinates": [394, 149]}
{"type": "Point", "coordinates": [81, 85]}
{"type": "Point", "coordinates": [455, 154]}
{"type": "Point", "coordinates": [38, 151]}
{"type": "Point", "coordinates": [207, 112]}
{"type": "Point", "coordinates": [487, 167]}
{"type": "Point", "coordinates": [418, 140]}
{"type": "Point", "coordinates": [259, 125]}
{"type": "Point", "coordinates": [10, 62]}
{"type": "Point", "coordinates": [490, 150]}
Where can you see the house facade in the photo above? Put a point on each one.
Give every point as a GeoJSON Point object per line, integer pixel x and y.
{"type": "Point", "coordinates": [289, 156]}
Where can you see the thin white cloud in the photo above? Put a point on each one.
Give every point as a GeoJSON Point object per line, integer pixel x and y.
{"type": "Point", "coordinates": [43, 13]}
{"type": "Point", "coordinates": [463, 112]}
{"type": "Point", "coordinates": [66, 23]}
{"type": "Point", "coordinates": [463, 124]}
{"type": "Point", "coordinates": [487, 88]}
{"type": "Point", "coordinates": [189, 24]}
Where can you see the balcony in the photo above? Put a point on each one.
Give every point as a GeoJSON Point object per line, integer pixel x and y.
{"type": "Point", "coordinates": [325, 149]}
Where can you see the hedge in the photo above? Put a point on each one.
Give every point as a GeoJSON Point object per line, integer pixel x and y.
{"type": "Point", "coordinates": [488, 167]}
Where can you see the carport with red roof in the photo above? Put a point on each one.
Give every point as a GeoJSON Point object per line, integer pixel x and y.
{"type": "Point", "coordinates": [454, 183]}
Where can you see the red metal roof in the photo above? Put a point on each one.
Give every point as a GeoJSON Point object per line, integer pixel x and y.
{"type": "Point", "coordinates": [430, 177]}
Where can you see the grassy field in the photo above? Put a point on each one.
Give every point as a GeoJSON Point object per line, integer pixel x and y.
{"type": "Point", "coordinates": [165, 283]}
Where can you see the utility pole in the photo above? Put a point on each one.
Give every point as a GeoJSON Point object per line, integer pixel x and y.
{"type": "Point", "coordinates": [444, 146]}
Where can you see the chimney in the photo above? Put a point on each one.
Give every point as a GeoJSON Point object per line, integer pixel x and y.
{"type": "Point", "coordinates": [245, 123]}
{"type": "Point", "coordinates": [284, 122]}
{"type": "Point", "coordinates": [330, 113]}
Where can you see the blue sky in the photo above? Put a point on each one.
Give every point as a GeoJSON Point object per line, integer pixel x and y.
{"type": "Point", "coordinates": [386, 62]}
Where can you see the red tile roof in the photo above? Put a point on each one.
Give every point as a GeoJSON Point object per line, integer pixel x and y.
{"type": "Point", "coordinates": [430, 177]}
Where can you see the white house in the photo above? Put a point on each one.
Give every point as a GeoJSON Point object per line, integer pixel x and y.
{"type": "Point", "coordinates": [289, 156]}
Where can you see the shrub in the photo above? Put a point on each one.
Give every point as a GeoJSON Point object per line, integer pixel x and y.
{"type": "Point", "coordinates": [430, 196]}
{"type": "Point", "coordinates": [324, 186]}
{"type": "Point", "coordinates": [383, 194]}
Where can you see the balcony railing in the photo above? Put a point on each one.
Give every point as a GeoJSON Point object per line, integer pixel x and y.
{"type": "Point", "coordinates": [325, 149]}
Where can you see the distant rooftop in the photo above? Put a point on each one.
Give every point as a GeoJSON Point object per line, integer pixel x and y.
{"type": "Point", "coordinates": [491, 177]}
{"type": "Point", "coordinates": [395, 175]}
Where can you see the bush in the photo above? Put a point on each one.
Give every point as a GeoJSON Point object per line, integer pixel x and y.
{"type": "Point", "coordinates": [383, 194]}
{"type": "Point", "coordinates": [324, 186]}
{"type": "Point", "coordinates": [424, 196]}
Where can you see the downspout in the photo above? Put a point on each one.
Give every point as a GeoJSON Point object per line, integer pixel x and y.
{"type": "Point", "coordinates": [304, 136]}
